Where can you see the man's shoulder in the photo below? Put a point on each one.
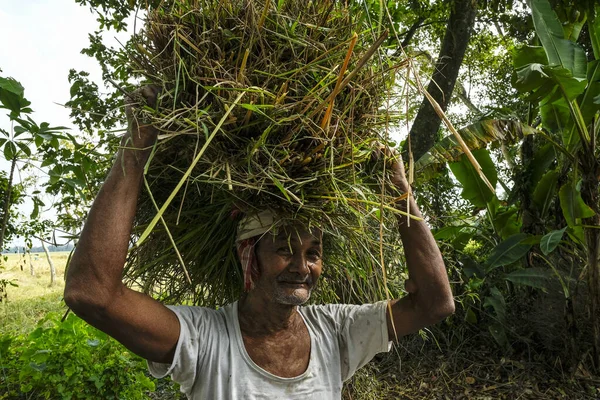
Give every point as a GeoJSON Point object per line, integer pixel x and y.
{"type": "Point", "coordinates": [200, 309]}
{"type": "Point", "coordinates": [195, 315]}
{"type": "Point", "coordinates": [326, 313]}
{"type": "Point", "coordinates": [337, 307]}
{"type": "Point", "coordinates": [338, 313]}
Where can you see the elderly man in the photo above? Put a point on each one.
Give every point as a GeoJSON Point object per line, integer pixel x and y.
{"type": "Point", "coordinates": [266, 345]}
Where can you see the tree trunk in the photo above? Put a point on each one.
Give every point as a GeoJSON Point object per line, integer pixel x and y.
{"type": "Point", "coordinates": [31, 270]}
{"type": "Point", "coordinates": [52, 269]}
{"type": "Point", "coordinates": [7, 202]}
{"type": "Point", "coordinates": [590, 195]}
{"type": "Point", "coordinates": [529, 217]}
{"type": "Point", "coordinates": [456, 39]}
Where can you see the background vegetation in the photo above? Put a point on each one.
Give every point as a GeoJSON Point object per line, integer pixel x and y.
{"type": "Point", "coordinates": [521, 81]}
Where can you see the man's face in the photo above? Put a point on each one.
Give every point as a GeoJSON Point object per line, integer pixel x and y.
{"type": "Point", "coordinates": [289, 264]}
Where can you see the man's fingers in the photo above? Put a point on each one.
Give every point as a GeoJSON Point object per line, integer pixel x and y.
{"type": "Point", "coordinates": [380, 150]}
{"type": "Point", "coordinates": [146, 95]}
{"type": "Point", "coordinates": [143, 96]}
{"type": "Point", "coordinates": [150, 94]}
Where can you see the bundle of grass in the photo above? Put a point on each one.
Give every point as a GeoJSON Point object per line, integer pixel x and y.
{"type": "Point", "coordinates": [264, 105]}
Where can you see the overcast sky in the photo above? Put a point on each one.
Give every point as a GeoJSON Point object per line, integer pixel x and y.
{"type": "Point", "coordinates": [40, 40]}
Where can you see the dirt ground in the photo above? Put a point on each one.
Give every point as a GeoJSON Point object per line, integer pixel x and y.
{"type": "Point", "coordinates": [421, 370]}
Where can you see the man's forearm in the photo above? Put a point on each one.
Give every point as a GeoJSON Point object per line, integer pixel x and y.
{"type": "Point", "coordinates": [97, 264]}
{"type": "Point", "coordinates": [428, 283]}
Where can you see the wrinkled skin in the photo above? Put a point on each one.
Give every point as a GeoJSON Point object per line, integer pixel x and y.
{"type": "Point", "coordinates": [290, 264]}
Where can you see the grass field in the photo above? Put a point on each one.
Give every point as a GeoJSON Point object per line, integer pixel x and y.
{"type": "Point", "coordinates": [33, 296]}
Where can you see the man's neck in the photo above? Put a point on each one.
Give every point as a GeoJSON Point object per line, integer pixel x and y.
{"type": "Point", "coordinates": [258, 317]}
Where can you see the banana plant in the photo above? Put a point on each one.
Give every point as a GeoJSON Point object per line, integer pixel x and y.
{"type": "Point", "coordinates": [492, 128]}
{"type": "Point", "coordinates": [563, 84]}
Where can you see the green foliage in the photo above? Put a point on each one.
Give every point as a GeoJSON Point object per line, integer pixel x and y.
{"type": "Point", "coordinates": [16, 146]}
{"type": "Point", "coordinates": [4, 283]}
{"type": "Point", "coordinates": [532, 277]}
{"type": "Point", "coordinates": [111, 13]}
{"type": "Point", "coordinates": [17, 196]}
{"type": "Point", "coordinates": [573, 206]}
{"type": "Point", "coordinates": [12, 97]}
{"type": "Point", "coordinates": [476, 136]}
{"type": "Point", "coordinates": [551, 240]}
{"type": "Point", "coordinates": [89, 110]}
{"type": "Point", "coordinates": [545, 191]}
{"type": "Point", "coordinates": [474, 189]}
{"type": "Point", "coordinates": [509, 251]}
{"type": "Point", "coordinates": [560, 51]}
{"type": "Point", "coordinates": [69, 360]}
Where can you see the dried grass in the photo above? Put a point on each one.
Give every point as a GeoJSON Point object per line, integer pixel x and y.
{"type": "Point", "coordinates": [264, 105]}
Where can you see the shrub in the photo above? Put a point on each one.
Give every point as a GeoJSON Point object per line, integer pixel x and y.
{"type": "Point", "coordinates": [69, 360]}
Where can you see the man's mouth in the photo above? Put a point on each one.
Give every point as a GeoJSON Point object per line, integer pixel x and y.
{"type": "Point", "coordinates": [295, 283]}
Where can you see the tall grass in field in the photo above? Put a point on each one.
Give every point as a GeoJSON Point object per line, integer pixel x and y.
{"type": "Point", "coordinates": [33, 297]}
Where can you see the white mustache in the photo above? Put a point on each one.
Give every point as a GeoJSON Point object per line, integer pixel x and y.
{"type": "Point", "coordinates": [287, 280]}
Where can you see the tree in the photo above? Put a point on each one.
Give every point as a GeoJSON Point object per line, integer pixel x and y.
{"type": "Point", "coordinates": [424, 131]}
{"type": "Point", "coordinates": [16, 143]}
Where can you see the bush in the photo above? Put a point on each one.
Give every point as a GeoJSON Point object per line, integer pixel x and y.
{"type": "Point", "coordinates": [69, 360]}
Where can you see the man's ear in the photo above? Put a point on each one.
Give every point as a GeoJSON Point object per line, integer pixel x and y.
{"type": "Point", "coordinates": [255, 272]}
{"type": "Point", "coordinates": [238, 251]}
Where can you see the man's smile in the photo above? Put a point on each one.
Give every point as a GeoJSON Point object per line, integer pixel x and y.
{"type": "Point", "coordinates": [295, 283]}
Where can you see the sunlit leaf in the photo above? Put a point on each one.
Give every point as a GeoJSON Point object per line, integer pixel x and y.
{"type": "Point", "coordinates": [572, 204]}
{"type": "Point", "coordinates": [551, 240]}
{"type": "Point", "coordinates": [474, 189]}
{"type": "Point", "coordinates": [526, 55]}
{"type": "Point", "coordinates": [559, 50]}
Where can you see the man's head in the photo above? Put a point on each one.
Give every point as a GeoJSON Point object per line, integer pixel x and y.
{"type": "Point", "coordinates": [289, 263]}
{"type": "Point", "coordinates": [280, 261]}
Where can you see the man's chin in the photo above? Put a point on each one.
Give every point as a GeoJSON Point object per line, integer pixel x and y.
{"type": "Point", "coordinates": [294, 298]}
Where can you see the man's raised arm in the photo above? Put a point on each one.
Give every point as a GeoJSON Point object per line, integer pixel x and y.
{"type": "Point", "coordinates": [429, 298]}
{"type": "Point", "coordinates": [94, 289]}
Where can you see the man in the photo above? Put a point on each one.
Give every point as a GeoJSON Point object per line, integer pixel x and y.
{"type": "Point", "coordinates": [265, 345]}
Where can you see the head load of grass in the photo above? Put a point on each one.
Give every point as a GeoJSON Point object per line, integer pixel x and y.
{"type": "Point", "coordinates": [263, 105]}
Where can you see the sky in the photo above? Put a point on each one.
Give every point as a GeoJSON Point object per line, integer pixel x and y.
{"type": "Point", "coordinates": [40, 41]}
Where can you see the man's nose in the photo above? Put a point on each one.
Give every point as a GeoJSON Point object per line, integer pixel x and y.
{"type": "Point", "coordinates": [299, 264]}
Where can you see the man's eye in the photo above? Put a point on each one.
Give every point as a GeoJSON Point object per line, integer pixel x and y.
{"type": "Point", "coordinates": [284, 251]}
